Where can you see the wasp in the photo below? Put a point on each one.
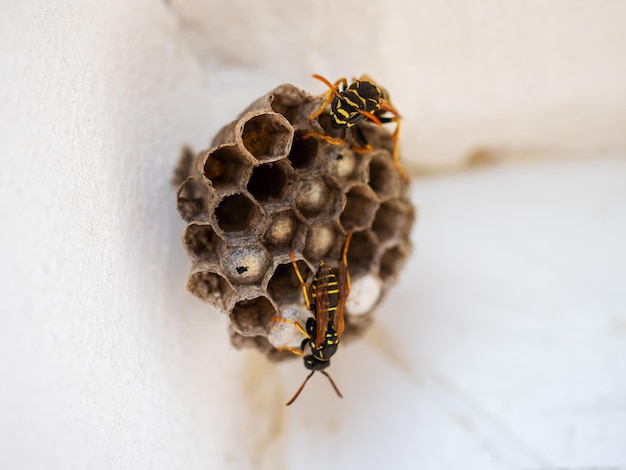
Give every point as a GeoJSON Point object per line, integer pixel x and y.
{"type": "Point", "coordinates": [329, 292]}
{"type": "Point", "coordinates": [361, 100]}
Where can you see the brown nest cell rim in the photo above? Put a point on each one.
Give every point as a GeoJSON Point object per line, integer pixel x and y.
{"type": "Point", "coordinates": [263, 189]}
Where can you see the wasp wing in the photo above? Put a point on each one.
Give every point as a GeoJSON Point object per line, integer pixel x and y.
{"type": "Point", "coordinates": [343, 281]}
{"type": "Point", "coordinates": [344, 291]}
{"type": "Point", "coordinates": [321, 305]}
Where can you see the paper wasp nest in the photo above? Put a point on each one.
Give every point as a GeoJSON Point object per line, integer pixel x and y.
{"type": "Point", "coordinates": [262, 190]}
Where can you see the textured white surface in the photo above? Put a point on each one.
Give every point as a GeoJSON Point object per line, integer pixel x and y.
{"type": "Point", "coordinates": [502, 347]}
{"type": "Point", "coordinates": [473, 79]}
{"type": "Point", "coordinates": [477, 79]}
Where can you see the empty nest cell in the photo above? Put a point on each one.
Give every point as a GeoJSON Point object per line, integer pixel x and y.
{"type": "Point", "coordinates": [269, 182]}
{"type": "Point", "coordinates": [390, 263]}
{"type": "Point", "coordinates": [191, 201]}
{"type": "Point", "coordinates": [303, 153]}
{"type": "Point", "coordinates": [284, 286]}
{"type": "Point", "coordinates": [253, 317]}
{"type": "Point", "coordinates": [393, 220]}
{"type": "Point", "coordinates": [361, 253]}
{"type": "Point", "coordinates": [288, 101]}
{"type": "Point", "coordinates": [225, 166]}
{"type": "Point", "coordinates": [237, 213]}
{"type": "Point", "coordinates": [383, 176]}
{"type": "Point", "coordinates": [201, 242]}
{"type": "Point", "coordinates": [210, 287]}
{"type": "Point", "coordinates": [267, 136]}
{"type": "Point", "coordinates": [360, 209]}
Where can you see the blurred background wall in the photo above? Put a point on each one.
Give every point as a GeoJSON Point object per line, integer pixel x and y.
{"type": "Point", "coordinates": [106, 361]}
{"type": "Point", "coordinates": [475, 80]}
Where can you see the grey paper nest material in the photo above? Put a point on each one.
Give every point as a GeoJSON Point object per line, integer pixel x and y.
{"type": "Point", "coordinates": [262, 190]}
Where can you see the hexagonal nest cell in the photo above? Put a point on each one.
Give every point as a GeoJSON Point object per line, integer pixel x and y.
{"type": "Point", "coordinates": [267, 136]}
{"type": "Point", "coordinates": [237, 213]}
{"type": "Point", "coordinates": [269, 186]}
{"type": "Point", "coordinates": [225, 166]}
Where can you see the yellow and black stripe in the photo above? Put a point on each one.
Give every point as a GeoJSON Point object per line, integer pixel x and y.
{"type": "Point", "coordinates": [326, 276]}
{"type": "Point", "coordinates": [361, 95]}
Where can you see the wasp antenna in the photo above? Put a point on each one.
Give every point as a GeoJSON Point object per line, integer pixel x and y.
{"type": "Point", "coordinates": [331, 382]}
{"type": "Point", "coordinates": [301, 387]}
{"type": "Point", "coordinates": [333, 88]}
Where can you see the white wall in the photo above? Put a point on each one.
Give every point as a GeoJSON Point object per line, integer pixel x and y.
{"type": "Point", "coordinates": [108, 362]}
{"type": "Point", "coordinates": [473, 78]}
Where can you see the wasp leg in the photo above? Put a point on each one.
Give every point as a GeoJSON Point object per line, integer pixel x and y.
{"type": "Point", "coordinates": [300, 328]}
{"type": "Point", "coordinates": [387, 106]}
{"type": "Point", "coordinates": [367, 148]}
{"type": "Point", "coordinates": [363, 146]}
{"type": "Point", "coordinates": [296, 351]}
{"type": "Point", "coordinates": [333, 91]}
{"type": "Point", "coordinates": [302, 283]}
{"type": "Point", "coordinates": [294, 323]}
{"type": "Point", "coordinates": [344, 260]}
{"type": "Point", "coordinates": [327, 138]}
{"type": "Point", "coordinates": [314, 115]}
{"type": "Point", "coordinates": [396, 155]}
{"type": "Point", "coordinates": [372, 117]}
{"type": "Point", "coordinates": [360, 137]}
{"type": "Point", "coordinates": [334, 87]}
